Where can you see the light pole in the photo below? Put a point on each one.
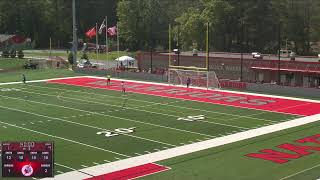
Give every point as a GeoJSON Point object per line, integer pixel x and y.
{"type": "Point", "coordinates": [75, 39]}
{"type": "Point", "coordinates": [241, 49]}
{"type": "Point", "coordinates": [279, 47]}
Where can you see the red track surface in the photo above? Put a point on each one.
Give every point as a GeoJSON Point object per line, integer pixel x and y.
{"type": "Point", "coordinates": [132, 173]}
{"type": "Point", "coordinates": [279, 105]}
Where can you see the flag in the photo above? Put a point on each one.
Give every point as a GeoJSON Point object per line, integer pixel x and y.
{"type": "Point", "coordinates": [92, 32]}
{"type": "Point", "coordinates": [112, 31]}
{"type": "Point", "coordinates": [102, 26]}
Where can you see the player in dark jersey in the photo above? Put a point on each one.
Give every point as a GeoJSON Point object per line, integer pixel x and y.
{"type": "Point", "coordinates": [188, 82]}
{"type": "Point", "coordinates": [108, 79]}
{"type": "Point", "coordinates": [24, 78]}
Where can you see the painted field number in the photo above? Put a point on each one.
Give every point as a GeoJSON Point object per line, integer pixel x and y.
{"type": "Point", "coordinates": [8, 89]}
{"type": "Point", "coordinates": [116, 132]}
{"type": "Point", "coordinates": [191, 118]}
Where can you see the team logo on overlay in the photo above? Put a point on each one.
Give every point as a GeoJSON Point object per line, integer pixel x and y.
{"type": "Point", "coordinates": [27, 170]}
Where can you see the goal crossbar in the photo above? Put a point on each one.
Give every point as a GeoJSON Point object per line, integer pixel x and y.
{"type": "Point", "coordinates": [197, 78]}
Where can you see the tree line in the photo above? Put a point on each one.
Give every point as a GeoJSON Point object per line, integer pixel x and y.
{"type": "Point", "coordinates": [248, 25]}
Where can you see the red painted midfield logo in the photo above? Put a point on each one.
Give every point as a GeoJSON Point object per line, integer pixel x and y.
{"type": "Point", "coordinates": [297, 151]}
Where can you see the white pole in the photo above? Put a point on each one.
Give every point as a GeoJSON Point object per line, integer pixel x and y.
{"type": "Point", "coordinates": [50, 48]}
{"type": "Point", "coordinates": [107, 48]}
{"type": "Point", "coordinates": [74, 27]}
{"type": "Point", "coordinates": [207, 80]}
{"type": "Point", "coordinates": [118, 49]}
{"type": "Point", "coordinates": [97, 43]}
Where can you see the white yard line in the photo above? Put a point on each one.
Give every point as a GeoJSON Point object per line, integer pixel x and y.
{"type": "Point", "coordinates": [190, 148]}
{"type": "Point", "coordinates": [43, 80]}
{"type": "Point", "coordinates": [136, 109]}
{"type": "Point", "coordinates": [155, 103]}
{"type": "Point", "coordinates": [72, 122]}
{"type": "Point", "coordinates": [292, 175]}
{"type": "Point", "coordinates": [116, 117]}
{"type": "Point", "coordinates": [67, 167]}
{"type": "Point", "coordinates": [62, 138]}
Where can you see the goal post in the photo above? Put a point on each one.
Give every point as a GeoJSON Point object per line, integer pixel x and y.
{"type": "Point", "coordinates": [198, 77]}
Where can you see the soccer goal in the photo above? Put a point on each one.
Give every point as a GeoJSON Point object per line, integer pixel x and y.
{"type": "Point", "coordinates": [198, 78]}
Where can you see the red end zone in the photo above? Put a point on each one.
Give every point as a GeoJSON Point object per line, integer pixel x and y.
{"type": "Point", "coordinates": [279, 105]}
{"type": "Point", "coordinates": [132, 173]}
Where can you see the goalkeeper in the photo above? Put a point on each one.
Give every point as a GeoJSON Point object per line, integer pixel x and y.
{"type": "Point", "coordinates": [188, 82]}
{"type": "Point", "coordinates": [108, 79]}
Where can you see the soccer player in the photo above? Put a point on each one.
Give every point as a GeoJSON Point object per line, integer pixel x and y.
{"type": "Point", "coordinates": [188, 82]}
{"type": "Point", "coordinates": [24, 78]}
{"type": "Point", "coordinates": [123, 87]}
{"type": "Point", "coordinates": [108, 79]}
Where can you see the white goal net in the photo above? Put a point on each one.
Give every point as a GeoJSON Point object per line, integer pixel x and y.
{"type": "Point", "coordinates": [207, 79]}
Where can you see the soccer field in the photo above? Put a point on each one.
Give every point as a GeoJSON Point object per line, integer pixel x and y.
{"type": "Point", "coordinates": [93, 124]}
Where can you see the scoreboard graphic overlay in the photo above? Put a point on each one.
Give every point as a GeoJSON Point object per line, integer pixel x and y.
{"type": "Point", "coordinates": [27, 159]}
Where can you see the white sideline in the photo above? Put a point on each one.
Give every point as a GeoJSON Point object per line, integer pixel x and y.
{"type": "Point", "coordinates": [186, 149]}
{"type": "Point", "coordinates": [164, 84]}
{"type": "Point", "coordinates": [42, 80]}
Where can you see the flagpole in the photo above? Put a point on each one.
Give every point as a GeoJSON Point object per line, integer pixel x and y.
{"type": "Point", "coordinates": [97, 43]}
{"type": "Point", "coordinates": [107, 48]}
{"type": "Point", "coordinates": [118, 41]}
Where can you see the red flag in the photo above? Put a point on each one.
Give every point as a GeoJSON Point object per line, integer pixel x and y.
{"type": "Point", "coordinates": [18, 39]}
{"type": "Point", "coordinates": [112, 31]}
{"type": "Point", "coordinates": [91, 33]}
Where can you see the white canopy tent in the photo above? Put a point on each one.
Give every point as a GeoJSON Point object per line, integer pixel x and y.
{"type": "Point", "coordinates": [126, 60]}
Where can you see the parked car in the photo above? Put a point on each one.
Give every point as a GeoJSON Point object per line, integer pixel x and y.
{"type": "Point", "coordinates": [194, 52]}
{"type": "Point", "coordinates": [292, 55]}
{"type": "Point", "coordinates": [31, 65]}
{"type": "Point", "coordinates": [257, 55]}
{"type": "Point", "coordinates": [83, 63]}
{"type": "Point", "coordinates": [176, 51]}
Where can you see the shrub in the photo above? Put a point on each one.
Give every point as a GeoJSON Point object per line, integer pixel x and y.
{"type": "Point", "coordinates": [13, 53]}
{"type": "Point", "coordinates": [70, 58]}
{"type": "Point", "coordinates": [20, 54]}
{"type": "Point", "coordinates": [5, 54]}
{"type": "Point", "coordinates": [85, 56]}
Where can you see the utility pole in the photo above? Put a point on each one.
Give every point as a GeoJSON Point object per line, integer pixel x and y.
{"type": "Point", "coordinates": [208, 47]}
{"type": "Point", "coordinates": [279, 47]}
{"type": "Point", "coordinates": [241, 47]}
{"type": "Point", "coordinates": [178, 46]}
{"type": "Point", "coordinates": [151, 37]}
{"type": "Point", "coordinates": [75, 39]}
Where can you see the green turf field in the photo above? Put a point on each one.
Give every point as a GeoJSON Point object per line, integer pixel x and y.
{"type": "Point", "coordinates": [9, 63]}
{"type": "Point", "coordinates": [72, 116]}
{"type": "Point", "coordinates": [228, 162]}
